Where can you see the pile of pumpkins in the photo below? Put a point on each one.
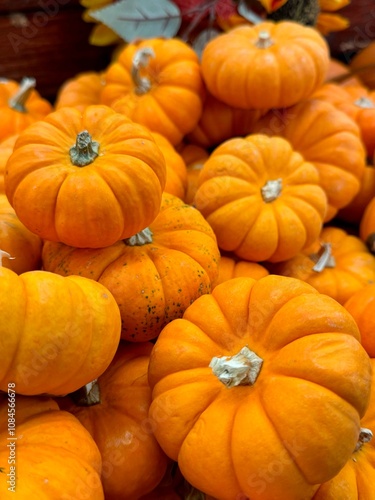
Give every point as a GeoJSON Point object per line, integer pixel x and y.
{"type": "Point", "coordinates": [187, 275]}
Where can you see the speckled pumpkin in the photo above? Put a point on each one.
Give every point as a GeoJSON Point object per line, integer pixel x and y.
{"type": "Point", "coordinates": [155, 275]}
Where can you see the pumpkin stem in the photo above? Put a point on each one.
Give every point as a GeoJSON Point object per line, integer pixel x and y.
{"type": "Point", "coordinates": [271, 190]}
{"type": "Point", "coordinates": [84, 151]}
{"type": "Point", "coordinates": [3, 253]}
{"type": "Point", "coordinates": [324, 259]}
{"type": "Point", "coordinates": [139, 239]}
{"type": "Point", "coordinates": [88, 395]}
{"type": "Point", "coordinates": [18, 100]}
{"type": "Point", "coordinates": [365, 436]}
{"type": "Point", "coordinates": [264, 40]}
{"type": "Point", "coordinates": [140, 60]}
{"type": "Point", "coordinates": [365, 103]}
{"type": "Point", "coordinates": [241, 369]}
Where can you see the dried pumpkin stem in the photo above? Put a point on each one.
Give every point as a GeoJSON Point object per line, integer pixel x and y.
{"type": "Point", "coordinates": [241, 369]}
{"type": "Point", "coordinates": [88, 395]}
{"type": "Point", "coordinates": [365, 436]}
{"type": "Point", "coordinates": [264, 40]}
{"type": "Point", "coordinates": [18, 100]}
{"type": "Point", "coordinates": [272, 190]}
{"type": "Point", "coordinates": [3, 253]}
{"type": "Point", "coordinates": [84, 151]}
{"type": "Point", "coordinates": [365, 103]}
{"type": "Point", "coordinates": [323, 260]}
{"type": "Point", "coordinates": [140, 60]}
{"type": "Point", "coordinates": [142, 238]}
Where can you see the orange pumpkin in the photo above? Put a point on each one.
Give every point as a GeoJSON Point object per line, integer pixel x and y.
{"type": "Point", "coordinates": [356, 479]}
{"type": "Point", "coordinates": [158, 83]}
{"type": "Point", "coordinates": [176, 172]}
{"type": "Point", "coordinates": [219, 122]}
{"type": "Point", "coordinates": [262, 199]}
{"type": "Point", "coordinates": [114, 409]}
{"type": "Point", "coordinates": [87, 178]}
{"type": "Point", "coordinates": [361, 307]}
{"type": "Point", "coordinates": [20, 105]}
{"type": "Point", "coordinates": [231, 267]}
{"type": "Point", "coordinates": [367, 225]}
{"type": "Point", "coordinates": [248, 394]}
{"type": "Point", "coordinates": [154, 275]}
{"type": "Point", "coordinates": [337, 264]}
{"type": "Point", "coordinates": [57, 333]}
{"type": "Point", "coordinates": [51, 455]}
{"type": "Point", "coordinates": [358, 103]}
{"type": "Point", "coordinates": [24, 247]}
{"type": "Point", "coordinates": [329, 139]}
{"type": "Point", "coordinates": [363, 64]}
{"type": "Point", "coordinates": [6, 149]}
{"type": "Point", "coordinates": [80, 91]}
{"type": "Point", "coordinates": [275, 64]}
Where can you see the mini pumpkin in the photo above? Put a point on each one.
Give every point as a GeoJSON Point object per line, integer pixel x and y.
{"type": "Point", "coordinates": [194, 157]}
{"type": "Point", "coordinates": [158, 83]}
{"type": "Point", "coordinates": [275, 64]}
{"type": "Point", "coordinates": [326, 137]}
{"type": "Point", "coordinates": [24, 247]}
{"type": "Point", "coordinates": [232, 267]}
{"type": "Point", "coordinates": [87, 178]}
{"type": "Point", "coordinates": [20, 105]}
{"type": "Point", "coordinates": [114, 409]}
{"type": "Point", "coordinates": [367, 225]}
{"type": "Point", "coordinates": [337, 264]}
{"type": "Point", "coordinates": [80, 91]}
{"type": "Point", "coordinates": [248, 382]}
{"type": "Point", "coordinates": [56, 333]}
{"type": "Point", "coordinates": [357, 477]}
{"type": "Point", "coordinates": [51, 455]}
{"type": "Point", "coordinates": [155, 275]}
{"type": "Point", "coordinates": [262, 199]}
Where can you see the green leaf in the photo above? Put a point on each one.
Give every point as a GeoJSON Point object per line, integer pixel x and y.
{"type": "Point", "coordinates": [132, 19]}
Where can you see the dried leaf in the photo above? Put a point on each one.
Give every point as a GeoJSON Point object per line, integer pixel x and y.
{"type": "Point", "coordinates": [132, 19]}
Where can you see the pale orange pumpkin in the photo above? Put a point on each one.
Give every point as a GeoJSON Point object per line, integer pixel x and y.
{"type": "Point", "coordinates": [361, 306]}
{"type": "Point", "coordinates": [6, 149]}
{"type": "Point", "coordinates": [268, 65]}
{"type": "Point", "coordinates": [262, 199]}
{"type": "Point", "coordinates": [80, 91]}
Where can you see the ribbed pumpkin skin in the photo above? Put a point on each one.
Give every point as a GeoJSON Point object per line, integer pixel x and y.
{"type": "Point", "coordinates": [13, 121]}
{"type": "Point", "coordinates": [81, 91]}
{"type": "Point", "coordinates": [304, 406]}
{"type": "Point", "coordinates": [24, 247]}
{"type": "Point", "coordinates": [230, 267]}
{"type": "Point", "coordinates": [356, 208]}
{"type": "Point", "coordinates": [155, 282]}
{"type": "Point", "coordinates": [230, 197]}
{"type": "Point", "coordinates": [361, 306]}
{"type": "Point", "coordinates": [357, 478]}
{"type": "Point", "coordinates": [282, 74]}
{"type": "Point", "coordinates": [6, 149]}
{"type": "Point", "coordinates": [329, 139]}
{"type": "Point", "coordinates": [55, 455]}
{"type": "Point", "coordinates": [133, 462]}
{"type": "Point", "coordinates": [353, 269]}
{"type": "Point", "coordinates": [173, 104]}
{"type": "Point", "coordinates": [56, 333]}
{"type": "Point", "coordinates": [114, 197]}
